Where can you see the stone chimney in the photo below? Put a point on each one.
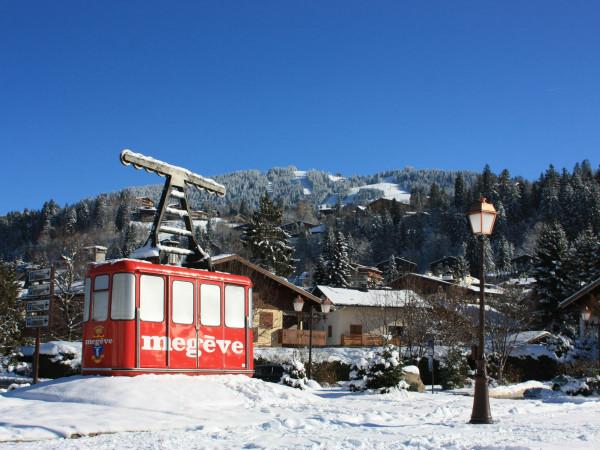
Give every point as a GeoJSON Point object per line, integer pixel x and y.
{"type": "Point", "coordinates": [96, 253]}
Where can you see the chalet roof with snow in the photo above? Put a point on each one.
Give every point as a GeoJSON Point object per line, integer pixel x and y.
{"type": "Point", "coordinates": [223, 259]}
{"type": "Point", "coordinates": [371, 297]}
{"type": "Point", "coordinates": [581, 293]}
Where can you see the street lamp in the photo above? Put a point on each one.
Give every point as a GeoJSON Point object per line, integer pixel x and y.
{"type": "Point", "coordinates": [482, 217]}
{"type": "Point", "coordinates": [325, 308]}
{"type": "Point", "coordinates": [586, 315]}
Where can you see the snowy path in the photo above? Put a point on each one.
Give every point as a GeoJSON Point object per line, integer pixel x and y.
{"type": "Point", "coordinates": [235, 412]}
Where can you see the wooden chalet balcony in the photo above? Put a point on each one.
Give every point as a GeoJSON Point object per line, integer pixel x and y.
{"type": "Point", "coordinates": [365, 340]}
{"type": "Point", "coordinates": [301, 337]}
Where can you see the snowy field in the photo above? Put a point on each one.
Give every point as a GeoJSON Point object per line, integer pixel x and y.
{"type": "Point", "coordinates": [171, 412]}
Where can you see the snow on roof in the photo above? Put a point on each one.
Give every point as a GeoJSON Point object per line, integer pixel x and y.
{"type": "Point", "coordinates": [526, 337]}
{"type": "Point", "coordinates": [221, 256]}
{"type": "Point", "coordinates": [520, 281]}
{"type": "Point", "coordinates": [374, 297]}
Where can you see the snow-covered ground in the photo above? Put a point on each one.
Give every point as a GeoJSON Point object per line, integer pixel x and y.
{"type": "Point", "coordinates": [174, 412]}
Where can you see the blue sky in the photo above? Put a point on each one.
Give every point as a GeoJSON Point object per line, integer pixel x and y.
{"type": "Point", "coordinates": [343, 86]}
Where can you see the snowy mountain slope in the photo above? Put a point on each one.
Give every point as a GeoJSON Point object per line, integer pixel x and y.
{"type": "Point", "coordinates": [389, 191]}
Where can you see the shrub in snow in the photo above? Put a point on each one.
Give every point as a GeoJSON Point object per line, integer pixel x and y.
{"type": "Point", "coordinates": [294, 374]}
{"type": "Point", "coordinates": [453, 375]}
{"type": "Point", "coordinates": [380, 370]}
{"type": "Point", "coordinates": [570, 385]}
{"type": "Point", "coordinates": [576, 386]}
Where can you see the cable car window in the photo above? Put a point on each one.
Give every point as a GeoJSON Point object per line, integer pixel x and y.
{"type": "Point", "coordinates": [100, 300]}
{"type": "Point", "coordinates": [123, 297]}
{"type": "Point", "coordinates": [234, 306]}
{"type": "Point", "coordinates": [86, 299]}
{"type": "Point", "coordinates": [101, 283]}
{"type": "Point", "coordinates": [183, 302]}
{"type": "Point", "coordinates": [152, 298]}
{"type": "Point", "coordinates": [210, 304]}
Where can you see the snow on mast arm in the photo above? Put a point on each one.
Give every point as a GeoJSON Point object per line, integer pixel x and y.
{"type": "Point", "coordinates": [139, 161]}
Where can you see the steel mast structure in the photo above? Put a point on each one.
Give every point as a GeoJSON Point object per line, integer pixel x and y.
{"type": "Point", "coordinates": [173, 200]}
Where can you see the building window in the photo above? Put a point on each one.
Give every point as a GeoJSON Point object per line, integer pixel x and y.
{"type": "Point", "coordinates": [356, 329]}
{"type": "Point", "coordinates": [329, 331]}
{"type": "Point", "coordinates": [265, 320]}
{"type": "Point", "coordinates": [396, 331]}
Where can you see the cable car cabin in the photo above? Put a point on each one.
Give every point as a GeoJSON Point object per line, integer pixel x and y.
{"type": "Point", "coordinates": [141, 318]}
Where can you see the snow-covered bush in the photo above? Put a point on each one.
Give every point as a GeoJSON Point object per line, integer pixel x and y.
{"type": "Point", "coordinates": [380, 370]}
{"type": "Point", "coordinates": [576, 386]}
{"type": "Point", "coordinates": [453, 374]}
{"type": "Point", "coordinates": [294, 374]}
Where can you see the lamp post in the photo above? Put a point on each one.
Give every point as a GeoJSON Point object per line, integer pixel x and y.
{"type": "Point", "coordinates": [586, 315]}
{"type": "Point", "coordinates": [325, 307]}
{"type": "Point", "coordinates": [482, 216]}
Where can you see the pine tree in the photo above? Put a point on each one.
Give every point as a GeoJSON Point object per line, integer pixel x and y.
{"type": "Point", "coordinates": [504, 256]}
{"type": "Point", "coordinates": [122, 219]}
{"type": "Point", "coordinates": [83, 215]}
{"type": "Point", "coordinates": [101, 212]}
{"type": "Point", "coordinates": [333, 267]}
{"type": "Point", "coordinates": [11, 309]}
{"type": "Point", "coordinates": [582, 263]}
{"type": "Point", "coordinates": [129, 241]}
{"type": "Point", "coordinates": [551, 250]}
{"type": "Point", "coordinates": [70, 221]}
{"type": "Point", "coordinates": [392, 272]}
{"type": "Point", "coordinates": [340, 265]}
{"type": "Point", "coordinates": [266, 240]}
{"type": "Point", "coordinates": [460, 201]}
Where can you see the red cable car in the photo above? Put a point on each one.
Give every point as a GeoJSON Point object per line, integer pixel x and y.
{"type": "Point", "coordinates": [141, 317]}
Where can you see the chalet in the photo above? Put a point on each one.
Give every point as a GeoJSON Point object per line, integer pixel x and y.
{"type": "Point", "coordinates": [402, 265]}
{"type": "Point", "coordinates": [361, 317]}
{"type": "Point", "coordinates": [444, 267]}
{"type": "Point", "coordinates": [384, 204]}
{"type": "Point", "coordinates": [144, 202]}
{"type": "Point", "coordinates": [275, 322]}
{"type": "Point", "coordinates": [523, 264]}
{"type": "Point", "coordinates": [430, 285]}
{"type": "Point", "coordinates": [585, 303]}
{"type": "Point", "coordinates": [298, 227]}
{"type": "Point", "coordinates": [365, 276]}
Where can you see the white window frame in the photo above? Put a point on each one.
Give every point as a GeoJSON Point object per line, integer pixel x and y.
{"type": "Point", "coordinates": [87, 297]}
{"type": "Point", "coordinates": [100, 298]}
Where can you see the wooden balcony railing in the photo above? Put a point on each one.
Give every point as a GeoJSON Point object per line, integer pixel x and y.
{"type": "Point", "coordinates": [365, 340]}
{"type": "Point", "coordinates": [301, 337]}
